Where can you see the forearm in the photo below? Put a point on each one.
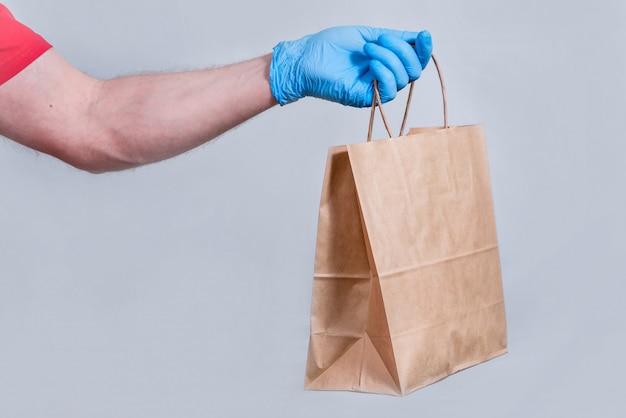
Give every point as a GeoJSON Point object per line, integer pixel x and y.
{"type": "Point", "coordinates": [149, 118]}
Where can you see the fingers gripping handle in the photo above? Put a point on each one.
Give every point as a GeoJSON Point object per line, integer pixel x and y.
{"type": "Point", "coordinates": [376, 101]}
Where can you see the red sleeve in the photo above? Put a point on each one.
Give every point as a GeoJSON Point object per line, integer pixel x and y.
{"type": "Point", "coordinates": [19, 46]}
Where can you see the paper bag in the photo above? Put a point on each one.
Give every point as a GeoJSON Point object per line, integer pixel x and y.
{"type": "Point", "coordinates": [407, 287]}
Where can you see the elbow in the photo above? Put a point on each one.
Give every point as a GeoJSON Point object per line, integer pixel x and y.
{"type": "Point", "coordinates": [85, 160]}
{"type": "Point", "coordinates": [98, 153]}
{"type": "Point", "coordinates": [95, 164]}
{"type": "Point", "coordinates": [92, 167]}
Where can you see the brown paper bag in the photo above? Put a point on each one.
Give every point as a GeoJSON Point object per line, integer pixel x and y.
{"type": "Point", "coordinates": [407, 287]}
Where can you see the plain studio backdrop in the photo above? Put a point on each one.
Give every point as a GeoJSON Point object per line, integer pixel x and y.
{"type": "Point", "coordinates": [183, 289]}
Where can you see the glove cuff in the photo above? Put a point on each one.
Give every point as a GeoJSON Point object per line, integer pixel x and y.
{"type": "Point", "coordinates": [284, 81]}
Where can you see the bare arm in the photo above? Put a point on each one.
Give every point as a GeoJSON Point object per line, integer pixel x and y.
{"type": "Point", "coordinates": [116, 124]}
{"type": "Point", "coordinates": [129, 121]}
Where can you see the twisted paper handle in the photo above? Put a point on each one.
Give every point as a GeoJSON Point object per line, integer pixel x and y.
{"type": "Point", "coordinates": [376, 100]}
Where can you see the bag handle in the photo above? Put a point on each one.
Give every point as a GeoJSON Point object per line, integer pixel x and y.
{"type": "Point", "coordinates": [376, 100]}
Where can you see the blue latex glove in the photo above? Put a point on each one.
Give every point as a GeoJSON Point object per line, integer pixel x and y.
{"type": "Point", "coordinates": [340, 64]}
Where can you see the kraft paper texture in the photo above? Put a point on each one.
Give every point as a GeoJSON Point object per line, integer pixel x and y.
{"type": "Point", "coordinates": [407, 287]}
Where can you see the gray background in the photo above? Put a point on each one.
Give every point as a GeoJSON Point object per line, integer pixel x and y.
{"type": "Point", "coordinates": [183, 289]}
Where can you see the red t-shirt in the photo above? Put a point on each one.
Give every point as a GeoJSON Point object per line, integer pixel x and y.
{"type": "Point", "coordinates": [19, 46]}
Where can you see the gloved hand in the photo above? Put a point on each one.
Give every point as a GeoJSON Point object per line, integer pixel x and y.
{"type": "Point", "coordinates": [340, 64]}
